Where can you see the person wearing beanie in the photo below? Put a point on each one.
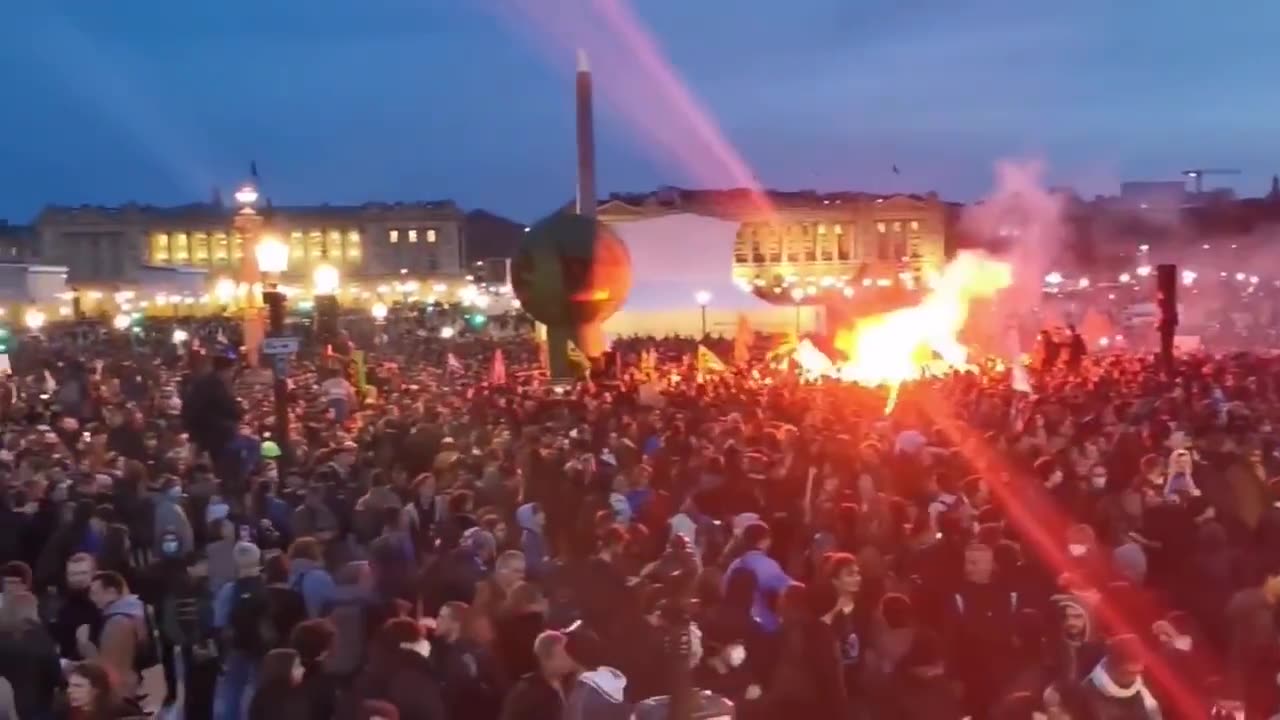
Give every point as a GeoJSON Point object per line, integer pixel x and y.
{"type": "Point", "coordinates": [1115, 689]}
{"type": "Point", "coordinates": [1130, 562]}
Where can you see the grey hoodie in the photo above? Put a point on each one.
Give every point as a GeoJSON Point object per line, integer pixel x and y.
{"type": "Point", "coordinates": [123, 630]}
{"type": "Point", "coordinates": [598, 695]}
{"type": "Point", "coordinates": [170, 517]}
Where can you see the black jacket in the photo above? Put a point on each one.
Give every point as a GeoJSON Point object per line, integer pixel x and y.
{"type": "Point", "coordinates": [532, 699]}
{"type": "Point", "coordinates": [29, 661]}
{"type": "Point", "coordinates": [403, 678]}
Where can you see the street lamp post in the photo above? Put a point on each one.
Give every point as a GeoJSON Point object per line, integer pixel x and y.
{"type": "Point", "coordinates": [325, 281]}
{"type": "Point", "coordinates": [796, 296]}
{"type": "Point", "coordinates": [703, 298]}
{"type": "Point", "coordinates": [248, 223]}
{"type": "Point", "coordinates": [271, 255]}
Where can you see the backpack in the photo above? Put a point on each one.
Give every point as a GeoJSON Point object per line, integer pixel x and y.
{"type": "Point", "coordinates": [251, 625]}
{"type": "Point", "coordinates": [147, 653]}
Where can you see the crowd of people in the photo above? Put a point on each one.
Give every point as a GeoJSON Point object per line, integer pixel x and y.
{"type": "Point", "coordinates": [450, 543]}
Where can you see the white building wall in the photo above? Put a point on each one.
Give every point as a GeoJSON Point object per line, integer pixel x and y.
{"type": "Point", "coordinates": [675, 256]}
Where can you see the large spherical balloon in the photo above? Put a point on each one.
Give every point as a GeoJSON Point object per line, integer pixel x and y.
{"type": "Point", "coordinates": [571, 270]}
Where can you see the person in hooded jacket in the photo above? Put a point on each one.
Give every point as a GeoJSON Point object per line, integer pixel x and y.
{"type": "Point", "coordinates": [399, 672]}
{"type": "Point", "coordinates": [124, 630]}
{"type": "Point", "coordinates": [532, 520]}
{"type": "Point", "coordinates": [521, 620]}
{"type": "Point", "coordinates": [597, 692]}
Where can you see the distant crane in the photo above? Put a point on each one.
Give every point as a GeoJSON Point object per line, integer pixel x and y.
{"type": "Point", "coordinates": [1198, 174]}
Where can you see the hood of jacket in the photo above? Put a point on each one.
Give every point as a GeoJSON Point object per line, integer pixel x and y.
{"type": "Point", "coordinates": [130, 605]}
{"type": "Point", "coordinates": [525, 515]}
{"type": "Point", "coordinates": [605, 681]}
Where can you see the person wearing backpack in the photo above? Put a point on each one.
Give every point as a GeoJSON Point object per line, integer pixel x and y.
{"type": "Point", "coordinates": [242, 618]}
{"type": "Point", "coordinates": [125, 643]}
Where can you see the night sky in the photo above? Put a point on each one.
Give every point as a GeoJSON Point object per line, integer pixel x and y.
{"type": "Point", "coordinates": [341, 101]}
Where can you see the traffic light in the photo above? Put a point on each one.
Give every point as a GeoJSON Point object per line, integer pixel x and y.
{"type": "Point", "coordinates": [326, 322]}
{"type": "Point", "coordinates": [4, 339]}
{"type": "Point", "coordinates": [477, 320]}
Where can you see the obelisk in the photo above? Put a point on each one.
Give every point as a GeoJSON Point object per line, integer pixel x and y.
{"type": "Point", "coordinates": [586, 140]}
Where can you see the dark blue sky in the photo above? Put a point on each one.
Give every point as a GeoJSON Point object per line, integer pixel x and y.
{"type": "Point", "coordinates": [343, 101]}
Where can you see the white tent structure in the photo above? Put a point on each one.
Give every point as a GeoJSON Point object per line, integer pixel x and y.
{"type": "Point", "coordinates": [676, 256]}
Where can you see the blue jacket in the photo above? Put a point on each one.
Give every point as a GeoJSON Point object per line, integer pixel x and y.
{"type": "Point", "coordinates": [770, 578]}
{"type": "Point", "coordinates": [314, 583]}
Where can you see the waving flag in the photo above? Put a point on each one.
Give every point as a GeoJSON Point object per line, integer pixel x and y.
{"type": "Point", "coordinates": [452, 364]}
{"type": "Point", "coordinates": [498, 371]}
{"type": "Point", "coordinates": [742, 341]}
{"type": "Point", "coordinates": [708, 361]}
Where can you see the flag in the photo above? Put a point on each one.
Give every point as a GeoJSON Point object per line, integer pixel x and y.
{"type": "Point", "coordinates": [895, 170]}
{"type": "Point", "coordinates": [452, 364]}
{"type": "Point", "coordinates": [253, 169]}
{"type": "Point", "coordinates": [498, 371]}
{"type": "Point", "coordinates": [742, 341]}
{"type": "Point", "coordinates": [361, 371]}
{"type": "Point", "coordinates": [649, 361]}
{"type": "Point", "coordinates": [708, 362]}
{"type": "Point", "coordinates": [577, 360]}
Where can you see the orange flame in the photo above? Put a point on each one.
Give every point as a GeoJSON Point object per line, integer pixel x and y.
{"type": "Point", "coordinates": [892, 348]}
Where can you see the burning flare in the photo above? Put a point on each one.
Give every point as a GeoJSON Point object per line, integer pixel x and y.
{"type": "Point", "coordinates": [892, 348]}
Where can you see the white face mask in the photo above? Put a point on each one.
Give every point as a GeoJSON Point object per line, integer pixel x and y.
{"type": "Point", "coordinates": [1076, 550]}
{"type": "Point", "coordinates": [1182, 642]}
{"type": "Point", "coordinates": [735, 655]}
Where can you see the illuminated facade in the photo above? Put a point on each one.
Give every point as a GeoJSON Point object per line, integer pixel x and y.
{"type": "Point", "coordinates": [807, 247]}
{"type": "Point", "coordinates": [110, 245]}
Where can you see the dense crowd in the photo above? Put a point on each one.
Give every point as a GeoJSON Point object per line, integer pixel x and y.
{"type": "Point", "coordinates": [452, 543]}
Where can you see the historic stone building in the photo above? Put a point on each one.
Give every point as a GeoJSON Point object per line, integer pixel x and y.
{"type": "Point", "coordinates": [110, 245]}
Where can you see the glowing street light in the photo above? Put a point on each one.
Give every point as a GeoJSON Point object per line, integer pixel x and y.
{"type": "Point", "coordinates": [33, 319]}
{"type": "Point", "coordinates": [379, 311]}
{"type": "Point", "coordinates": [180, 336]}
{"type": "Point", "coordinates": [122, 322]}
{"type": "Point", "coordinates": [446, 332]}
{"type": "Point", "coordinates": [1144, 270]}
{"type": "Point", "coordinates": [703, 298]}
{"type": "Point", "coordinates": [272, 255]}
{"type": "Point", "coordinates": [1125, 277]}
{"type": "Point", "coordinates": [1240, 277]}
{"type": "Point", "coordinates": [1188, 277]}
{"type": "Point", "coordinates": [1084, 283]}
{"type": "Point", "coordinates": [1053, 278]}
{"type": "Point", "coordinates": [325, 279]}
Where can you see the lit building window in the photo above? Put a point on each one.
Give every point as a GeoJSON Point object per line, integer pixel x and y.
{"type": "Point", "coordinates": [413, 236]}
{"type": "Point", "coordinates": [822, 228]}
{"type": "Point", "coordinates": [200, 248]}
{"type": "Point", "coordinates": [315, 245]}
{"type": "Point", "coordinates": [221, 251]}
{"type": "Point", "coordinates": [333, 245]}
{"type": "Point", "coordinates": [160, 248]}
{"type": "Point", "coordinates": [431, 235]}
{"type": "Point", "coordinates": [897, 226]}
{"type": "Point", "coordinates": [393, 236]}
{"type": "Point", "coordinates": [297, 246]}
{"type": "Point", "coordinates": [180, 249]}
{"type": "Point", "coordinates": [237, 247]}
{"type": "Point", "coordinates": [353, 245]}
{"type": "Point", "coordinates": [881, 227]}
{"type": "Point", "coordinates": [915, 224]}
